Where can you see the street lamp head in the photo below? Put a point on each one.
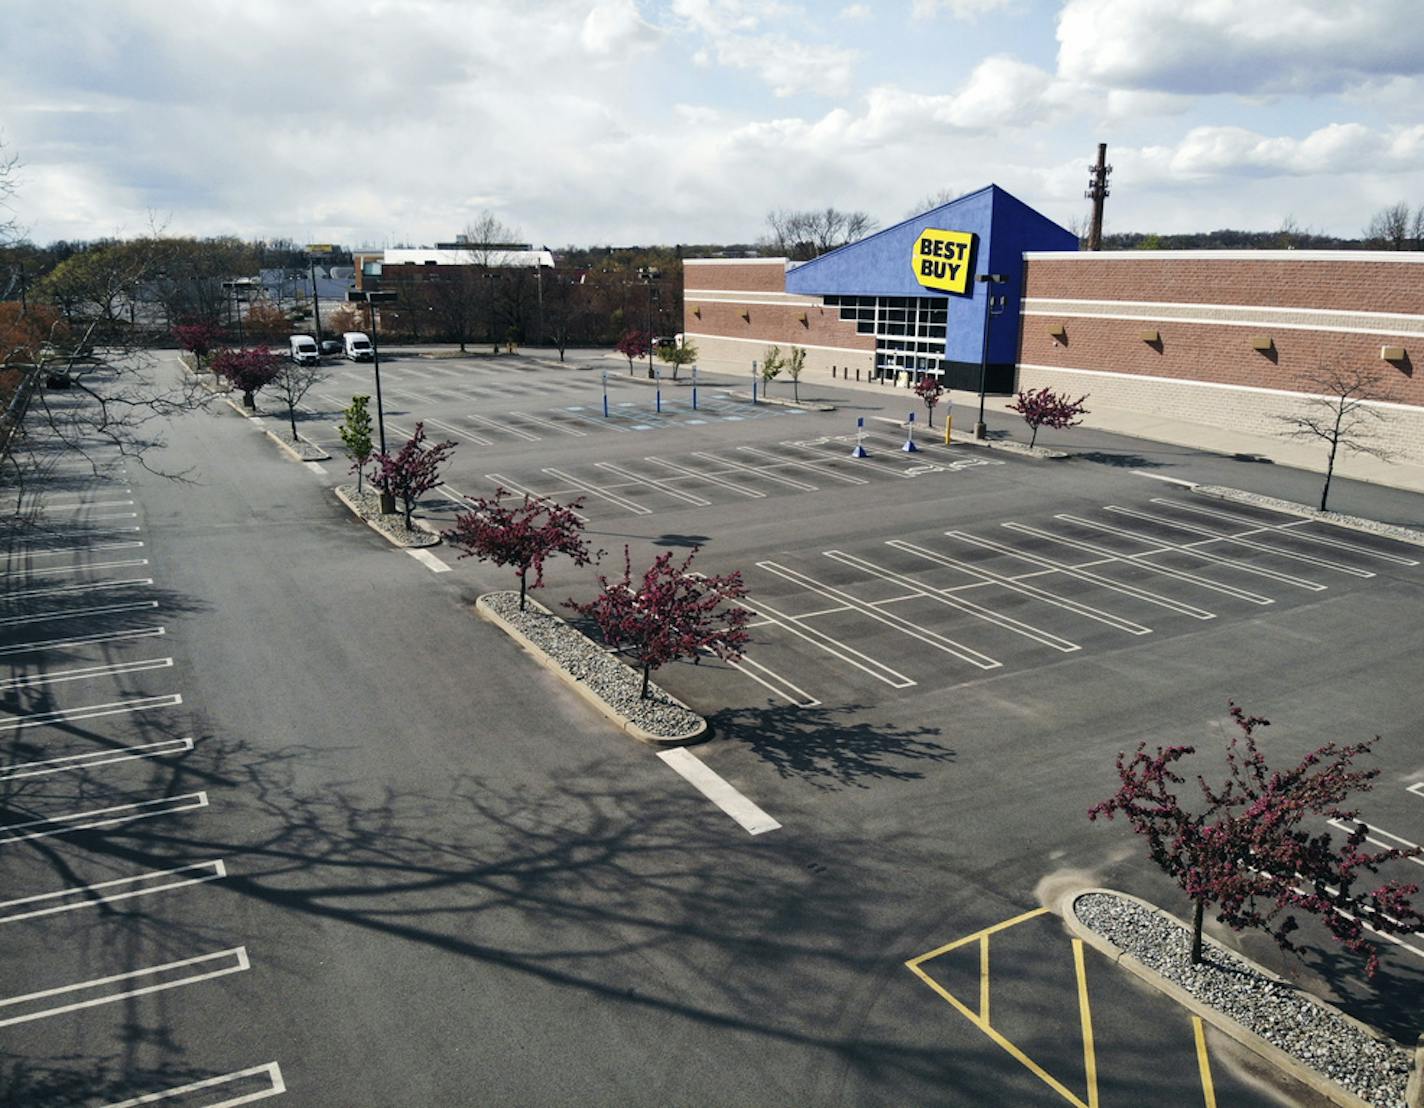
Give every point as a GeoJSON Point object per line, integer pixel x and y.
{"type": "Point", "coordinates": [992, 278]}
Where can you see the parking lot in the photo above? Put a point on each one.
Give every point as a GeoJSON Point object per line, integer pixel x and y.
{"type": "Point", "coordinates": [260, 761]}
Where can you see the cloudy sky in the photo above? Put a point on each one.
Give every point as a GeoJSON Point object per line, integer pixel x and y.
{"type": "Point", "coordinates": [623, 121]}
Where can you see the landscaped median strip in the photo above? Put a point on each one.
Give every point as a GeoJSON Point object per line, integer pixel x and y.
{"type": "Point", "coordinates": [367, 505]}
{"type": "Point", "coordinates": [1338, 1057]}
{"type": "Point", "coordinates": [591, 671]}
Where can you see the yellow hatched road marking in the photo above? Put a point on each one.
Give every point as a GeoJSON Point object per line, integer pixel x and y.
{"type": "Point", "coordinates": [1203, 1063]}
{"type": "Point", "coordinates": [1085, 1016]}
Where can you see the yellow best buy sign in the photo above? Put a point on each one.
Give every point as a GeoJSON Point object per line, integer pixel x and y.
{"type": "Point", "coordinates": [941, 259]}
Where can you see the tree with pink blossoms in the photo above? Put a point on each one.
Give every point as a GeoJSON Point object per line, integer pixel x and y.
{"type": "Point", "coordinates": [669, 613]}
{"type": "Point", "coordinates": [412, 471]}
{"type": "Point", "coordinates": [1246, 851]}
{"type": "Point", "coordinates": [523, 535]}
{"type": "Point", "coordinates": [1046, 408]}
{"type": "Point", "coordinates": [928, 389]}
{"type": "Point", "coordinates": [247, 370]}
{"type": "Point", "coordinates": [199, 339]}
{"type": "Point", "coordinates": [634, 344]}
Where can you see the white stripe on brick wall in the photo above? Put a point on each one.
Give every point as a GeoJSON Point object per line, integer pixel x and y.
{"type": "Point", "coordinates": [1407, 257]}
{"type": "Point", "coordinates": [768, 342]}
{"type": "Point", "coordinates": [1257, 324]}
{"type": "Point", "coordinates": [1159, 380]}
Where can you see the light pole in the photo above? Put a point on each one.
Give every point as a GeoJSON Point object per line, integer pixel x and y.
{"type": "Point", "coordinates": [993, 305]}
{"type": "Point", "coordinates": [648, 274]}
{"type": "Point", "coordinates": [239, 287]}
{"type": "Point", "coordinates": [371, 298]}
{"type": "Point", "coordinates": [316, 250]}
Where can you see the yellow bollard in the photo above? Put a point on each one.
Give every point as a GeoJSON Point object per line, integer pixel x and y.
{"type": "Point", "coordinates": [948, 423]}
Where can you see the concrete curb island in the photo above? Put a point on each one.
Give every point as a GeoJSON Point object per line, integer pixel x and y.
{"type": "Point", "coordinates": [385, 532]}
{"type": "Point", "coordinates": [485, 611]}
{"type": "Point", "coordinates": [779, 402]}
{"type": "Point", "coordinates": [1307, 1076]}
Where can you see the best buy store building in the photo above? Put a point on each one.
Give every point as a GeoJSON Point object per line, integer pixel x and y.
{"type": "Point", "coordinates": [1219, 337]}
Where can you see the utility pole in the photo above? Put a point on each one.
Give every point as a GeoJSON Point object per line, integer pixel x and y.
{"type": "Point", "coordinates": [1097, 193]}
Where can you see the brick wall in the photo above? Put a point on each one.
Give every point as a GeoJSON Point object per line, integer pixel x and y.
{"type": "Point", "coordinates": [751, 276]}
{"type": "Point", "coordinates": [1351, 283]}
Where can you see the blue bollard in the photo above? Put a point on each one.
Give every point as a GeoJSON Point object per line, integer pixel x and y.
{"type": "Point", "coordinates": [859, 451]}
{"type": "Point", "coordinates": [910, 447]}
{"type": "Point", "coordinates": [694, 388]}
{"type": "Point", "coordinates": [659, 391]}
{"type": "Point", "coordinates": [605, 394]}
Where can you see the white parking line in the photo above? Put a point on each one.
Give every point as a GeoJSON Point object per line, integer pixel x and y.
{"type": "Point", "coordinates": [428, 560]}
{"type": "Point", "coordinates": [1417, 788]}
{"type": "Point", "coordinates": [120, 888]}
{"type": "Point", "coordinates": [82, 640]}
{"type": "Point", "coordinates": [848, 654]}
{"type": "Point", "coordinates": [47, 508]}
{"type": "Point", "coordinates": [594, 490]}
{"type": "Point", "coordinates": [823, 468]}
{"type": "Point", "coordinates": [94, 759]}
{"type": "Point", "coordinates": [91, 586]}
{"type": "Point", "coordinates": [316, 467]}
{"type": "Point", "coordinates": [468, 436]}
{"type": "Point", "coordinates": [1084, 575]}
{"type": "Point", "coordinates": [930, 638]}
{"type": "Point", "coordinates": [518, 490]}
{"type": "Point", "coordinates": [101, 817]}
{"type": "Point", "coordinates": [1397, 842]}
{"type": "Point", "coordinates": [1139, 560]}
{"type": "Point", "coordinates": [54, 551]}
{"type": "Point", "coordinates": [1163, 477]}
{"type": "Point", "coordinates": [655, 484]}
{"type": "Point", "coordinates": [1192, 551]}
{"type": "Point", "coordinates": [843, 445]}
{"type": "Point", "coordinates": [550, 425]}
{"type": "Point", "coordinates": [84, 673]}
{"type": "Point", "coordinates": [56, 570]}
{"type": "Point", "coordinates": [716, 789]}
{"type": "Point", "coordinates": [237, 956]}
{"type": "Point", "coordinates": [1008, 623]}
{"type": "Point", "coordinates": [1239, 540]}
{"type": "Point", "coordinates": [91, 711]}
{"type": "Point", "coordinates": [738, 467]}
{"type": "Point", "coordinates": [271, 1072]}
{"type": "Point", "coordinates": [495, 425]}
{"type": "Point", "coordinates": [1289, 529]}
{"type": "Point", "coordinates": [711, 478]}
{"type": "Point", "coordinates": [103, 609]}
{"type": "Point", "coordinates": [987, 577]}
{"type": "Point", "coordinates": [770, 679]}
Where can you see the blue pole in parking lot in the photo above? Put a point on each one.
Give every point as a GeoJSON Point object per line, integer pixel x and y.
{"type": "Point", "coordinates": [754, 376]}
{"type": "Point", "coordinates": [910, 447]}
{"type": "Point", "coordinates": [659, 390]}
{"type": "Point", "coordinates": [859, 451]}
{"type": "Point", "coordinates": [694, 388]}
{"type": "Point", "coordinates": [605, 394]}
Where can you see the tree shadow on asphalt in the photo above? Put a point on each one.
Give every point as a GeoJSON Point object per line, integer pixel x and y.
{"type": "Point", "coordinates": [828, 746]}
{"type": "Point", "coordinates": [1120, 459]}
{"type": "Point", "coordinates": [632, 897]}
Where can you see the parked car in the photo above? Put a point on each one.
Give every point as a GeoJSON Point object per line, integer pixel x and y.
{"type": "Point", "coordinates": [302, 350]}
{"type": "Point", "coordinates": [358, 346]}
{"type": "Point", "coordinates": [330, 346]}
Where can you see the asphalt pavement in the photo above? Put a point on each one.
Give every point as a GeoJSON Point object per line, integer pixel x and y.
{"type": "Point", "coordinates": [388, 860]}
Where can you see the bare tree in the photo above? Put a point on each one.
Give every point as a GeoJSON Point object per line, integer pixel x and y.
{"type": "Point", "coordinates": [1416, 228]}
{"type": "Point", "coordinates": [934, 200]}
{"type": "Point", "coordinates": [802, 235]}
{"type": "Point", "coordinates": [488, 239]}
{"type": "Point", "coordinates": [292, 383]}
{"type": "Point", "coordinates": [1340, 414]}
{"type": "Point", "coordinates": [455, 293]}
{"type": "Point", "coordinates": [1390, 226]}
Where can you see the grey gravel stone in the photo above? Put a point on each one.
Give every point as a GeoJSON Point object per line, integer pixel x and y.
{"type": "Point", "coordinates": [368, 503]}
{"type": "Point", "coordinates": [1374, 1070]}
{"type": "Point", "coordinates": [1355, 523]}
{"type": "Point", "coordinates": [590, 662]}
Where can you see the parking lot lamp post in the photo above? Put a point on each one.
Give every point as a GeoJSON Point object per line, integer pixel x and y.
{"type": "Point", "coordinates": [371, 299]}
{"type": "Point", "coordinates": [648, 275]}
{"type": "Point", "coordinates": [239, 286]}
{"type": "Point", "coordinates": [993, 305]}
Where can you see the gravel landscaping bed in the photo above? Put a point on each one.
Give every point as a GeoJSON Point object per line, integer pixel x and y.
{"type": "Point", "coordinates": [368, 505]}
{"type": "Point", "coordinates": [1323, 1040]}
{"type": "Point", "coordinates": [1357, 523]}
{"type": "Point", "coordinates": [1011, 446]}
{"type": "Point", "coordinates": [307, 451]}
{"type": "Point", "coordinates": [589, 662]}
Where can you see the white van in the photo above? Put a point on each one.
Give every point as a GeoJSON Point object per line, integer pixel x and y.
{"type": "Point", "coordinates": [358, 346]}
{"type": "Point", "coordinates": [302, 350]}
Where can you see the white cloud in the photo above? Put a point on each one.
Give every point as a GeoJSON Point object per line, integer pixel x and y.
{"type": "Point", "coordinates": [1240, 46]}
{"type": "Point", "coordinates": [737, 38]}
{"type": "Point", "coordinates": [959, 9]}
{"type": "Point", "coordinates": [854, 12]}
{"type": "Point", "coordinates": [615, 27]}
